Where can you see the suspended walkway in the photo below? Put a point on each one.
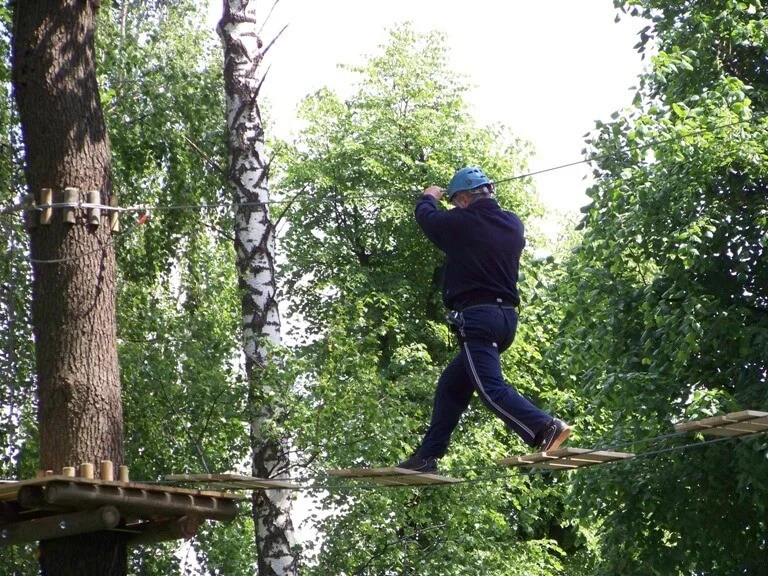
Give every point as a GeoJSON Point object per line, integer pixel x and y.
{"type": "Point", "coordinates": [55, 506]}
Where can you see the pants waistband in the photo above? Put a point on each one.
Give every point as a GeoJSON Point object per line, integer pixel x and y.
{"type": "Point", "coordinates": [500, 302]}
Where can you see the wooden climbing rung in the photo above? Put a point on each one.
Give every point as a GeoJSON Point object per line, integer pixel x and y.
{"type": "Point", "coordinates": [565, 458]}
{"type": "Point", "coordinates": [232, 482]}
{"type": "Point", "coordinates": [393, 476]}
{"type": "Point", "coordinates": [734, 424]}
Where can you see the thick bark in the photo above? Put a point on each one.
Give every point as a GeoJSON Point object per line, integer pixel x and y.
{"type": "Point", "coordinates": [73, 307]}
{"type": "Point", "coordinates": [255, 246]}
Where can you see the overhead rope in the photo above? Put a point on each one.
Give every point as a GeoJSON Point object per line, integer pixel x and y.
{"type": "Point", "coordinates": [214, 205]}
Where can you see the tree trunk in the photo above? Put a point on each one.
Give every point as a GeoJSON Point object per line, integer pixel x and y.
{"type": "Point", "coordinates": [73, 301]}
{"type": "Point", "coordinates": [255, 247]}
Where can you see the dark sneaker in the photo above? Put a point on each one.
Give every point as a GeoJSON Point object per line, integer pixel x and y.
{"type": "Point", "coordinates": [419, 464]}
{"type": "Point", "coordinates": [553, 434]}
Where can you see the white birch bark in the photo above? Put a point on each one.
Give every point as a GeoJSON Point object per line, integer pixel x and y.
{"type": "Point", "coordinates": [255, 247]}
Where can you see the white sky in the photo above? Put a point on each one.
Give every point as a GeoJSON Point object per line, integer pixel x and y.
{"type": "Point", "coordinates": [546, 68]}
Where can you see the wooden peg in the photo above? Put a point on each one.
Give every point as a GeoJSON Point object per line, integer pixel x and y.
{"type": "Point", "coordinates": [114, 221]}
{"type": "Point", "coordinates": [123, 473]}
{"type": "Point", "coordinates": [70, 197]}
{"type": "Point", "coordinates": [107, 470]}
{"type": "Point", "coordinates": [86, 470]}
{"type": "Point", "coordinates": [68, 471]}
{"type": "Point", "coordinates": [46, 199]}
{"type": "Point", "coordinates": [94, 214]}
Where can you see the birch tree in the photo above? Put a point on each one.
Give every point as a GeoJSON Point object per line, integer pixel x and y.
{"type": "Point", "coordinates": [255, 254]}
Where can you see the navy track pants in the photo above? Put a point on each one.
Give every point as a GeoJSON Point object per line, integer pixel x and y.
{"type": "Point", "coordinates": [484, 332]}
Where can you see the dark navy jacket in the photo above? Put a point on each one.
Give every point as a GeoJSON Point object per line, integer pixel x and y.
{"type": "Point", "coordinates": [482, 243]}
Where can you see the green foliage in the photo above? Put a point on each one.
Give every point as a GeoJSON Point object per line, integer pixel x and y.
{"type": "Point", "coordinates": [183, 399]}
{"type": "Point", "coordinates": [365, 283]}
{"type": "Point", "coordinates": [225, 549]}
{"type": "Point", "coordinates": [162, 94]}
{"type": "Point", "coordinates": [17, 413]}
{"type": "Point", "coordinates": [667, 310]}
{"type": "Point", "coordinates": [17, 363]}
{"type": "Point", "coordinates": [178, 299]}
{"type": "Point", "coordinates": [427, 532]}
{"type": "Point", "coordinates": [178, 303]}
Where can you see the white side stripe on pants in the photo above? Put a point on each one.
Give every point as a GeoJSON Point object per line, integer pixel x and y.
{"type": "Point", "coordinates": [488, 398]}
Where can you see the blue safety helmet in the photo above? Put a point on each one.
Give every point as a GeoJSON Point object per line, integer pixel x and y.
{"type": "Point", "coordinates": [467, 180]}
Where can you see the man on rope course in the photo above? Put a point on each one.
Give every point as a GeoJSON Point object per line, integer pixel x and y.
{"type": "Point", "coordinates": [482, 244]}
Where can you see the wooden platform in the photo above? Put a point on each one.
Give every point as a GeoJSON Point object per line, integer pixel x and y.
{"type": "Point", "coordinates": [232, 482]}
{"type": "Point", "coordinates": [565, 459]}
{"type": "Point", "coordinates": [734, 424]}
{"type": "Point", "coordinates": [60, 506]}
{"type": "Point", "coordinates": [393, 476]}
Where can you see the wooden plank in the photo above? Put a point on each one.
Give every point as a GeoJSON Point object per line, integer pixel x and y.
{"type": "Point", "coordinates": [10, 489]}
{"type": "Point", "coordinates": [740, 423]}
{"type": "Point", "coordinates": [367, 472]}
{"type": "Point", "coordinates": [60, 526]}
{"type": "Point", "coordinates": [233, 481]}
{"type": "Point", "coordinates": [393, 476]}
{"type": "Point", "coordinates": [565, 458]}
{"type": "Point", "coordinates": [744, 415]}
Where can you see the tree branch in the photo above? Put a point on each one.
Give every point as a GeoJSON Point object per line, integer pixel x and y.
{"type": "Point", "coordinates": [205, 157]}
